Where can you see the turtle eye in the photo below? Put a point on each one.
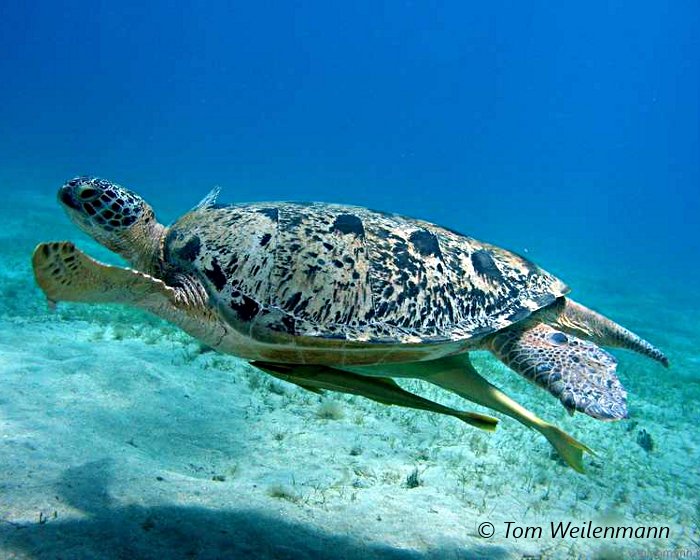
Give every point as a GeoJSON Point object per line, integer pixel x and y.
{"type": "Point", "coordinates": [88, 193]}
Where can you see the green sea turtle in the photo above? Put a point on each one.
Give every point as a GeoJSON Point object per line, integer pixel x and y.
{"type": "Point", "coordinates": [344, 298]}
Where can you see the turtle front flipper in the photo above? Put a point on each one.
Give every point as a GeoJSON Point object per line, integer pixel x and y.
{"type": "Point", "coordinates": [65, 273]}
{"type": "Point", "coordinates": [380, 389]}
{"type": "Point", "coordinates": [579, 373]}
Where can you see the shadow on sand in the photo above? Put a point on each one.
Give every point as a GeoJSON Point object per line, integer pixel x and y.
{"type": "Point", "coordinates": [181, 532]}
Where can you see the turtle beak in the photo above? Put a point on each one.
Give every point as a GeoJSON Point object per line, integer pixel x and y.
{"type": "Point", "coordinates": [67, 198]}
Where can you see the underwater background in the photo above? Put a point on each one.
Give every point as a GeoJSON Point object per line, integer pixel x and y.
{"type": "Point", "coordinates": [567, 133]}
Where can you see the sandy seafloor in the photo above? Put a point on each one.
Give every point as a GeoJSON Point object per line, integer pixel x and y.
{"type": "Point", "coordinates": [122, 438]}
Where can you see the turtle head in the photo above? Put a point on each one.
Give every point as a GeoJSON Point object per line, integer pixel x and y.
{"type": "Point", "coordinates": [114, 216]}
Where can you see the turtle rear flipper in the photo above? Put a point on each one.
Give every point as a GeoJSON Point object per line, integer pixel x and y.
{"type": "Point", "coordinates": [65, 273]}
{"type": "Point", "coordinates": [579, 373]}
{"type": "Point", "coordinates": [574, 318]}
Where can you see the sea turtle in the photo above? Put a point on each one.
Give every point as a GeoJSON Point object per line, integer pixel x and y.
{"type": "Point", "coordinates": [344, 298]}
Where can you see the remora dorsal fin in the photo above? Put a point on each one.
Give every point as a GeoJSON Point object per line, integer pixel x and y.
{"type": "Point", "coordinates": [208, 200]}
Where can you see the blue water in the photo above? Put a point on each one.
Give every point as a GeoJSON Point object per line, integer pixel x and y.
{"type": "Point", "coordinates": [570, 134]}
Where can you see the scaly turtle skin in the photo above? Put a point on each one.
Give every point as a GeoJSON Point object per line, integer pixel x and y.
{"type": "Point", "coordinates": [325, 295]}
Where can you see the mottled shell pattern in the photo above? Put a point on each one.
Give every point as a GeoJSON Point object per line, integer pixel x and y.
{"type": "Point", "coordinates": [353, 274]}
